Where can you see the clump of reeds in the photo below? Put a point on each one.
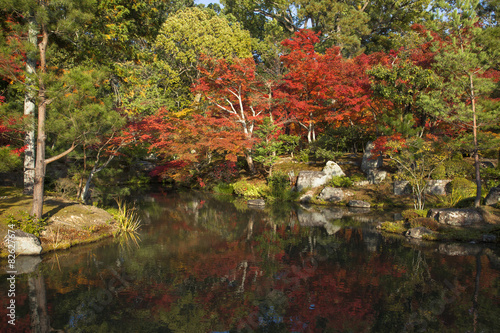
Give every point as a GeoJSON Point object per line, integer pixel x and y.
{"type": "Point", "coordinates": [127, 218]}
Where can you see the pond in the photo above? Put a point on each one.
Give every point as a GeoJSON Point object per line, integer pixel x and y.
{"type": "Point", "coordinates": [204, 263]}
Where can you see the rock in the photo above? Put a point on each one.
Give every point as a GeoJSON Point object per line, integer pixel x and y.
{"type": "Point", "coordinates": [456, 216]}
{"type": "Point", "coordinates": [401, 187]}
{"type": "Point", "coordinates": [358, 204]}
{"type": "Point", "coordinates": [437, 187]}
{"type": "Point", "coordinates": [493, 196]}
{"type": "Point", "coordinates": [331, 194]}
{"type": "Point", "coordinates": [376, 176]}
{"type": "Point", "coordinates": [311, 179]}
{"type": "Point", "coordinates": [307, 197]}
{"type": "Point", "coordinates": [25, 243]}
{"type": "Point", "coordinates": [418, 232]}
{"type": "Point", "coordinates": [369, 162]}
{"type": "Point", "coordinates": [486, 164]}
{"type": "Point", "coordinates": [489, 238]}
{"type": "Point", "coordinates": [333, 169]}
{"type": "Point", "coordinates": [362, 183]}
{"type": "Point", "coordinates": [256, 202]}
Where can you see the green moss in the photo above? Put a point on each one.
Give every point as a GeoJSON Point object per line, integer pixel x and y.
{"type": "Point", "coordinates": [393, 227]}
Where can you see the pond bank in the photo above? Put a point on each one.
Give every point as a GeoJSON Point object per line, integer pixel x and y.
{"type": "Point", "coordinates": [68, 223]}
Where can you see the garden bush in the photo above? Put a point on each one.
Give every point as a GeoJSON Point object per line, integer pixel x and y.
{"type": "Point", "coordinates": [341, 181]}
{"type": "Point", "coordinates": [248, 190]}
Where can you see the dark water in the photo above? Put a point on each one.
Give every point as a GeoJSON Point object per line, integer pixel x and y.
{"type": "Point", "coordinates": [205, 264]}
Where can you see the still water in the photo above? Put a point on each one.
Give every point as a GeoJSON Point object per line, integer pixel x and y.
{"type": "Point", "coordinates": [211, 264]}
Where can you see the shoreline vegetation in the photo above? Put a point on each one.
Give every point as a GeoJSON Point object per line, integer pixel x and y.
{"type": "Point", "coordinates": [68, 222]}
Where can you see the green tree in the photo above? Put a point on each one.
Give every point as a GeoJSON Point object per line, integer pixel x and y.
{"type": "Point", "coordinates": [467, 80]}
{"type": "Point", "coordinates": [181, 41]}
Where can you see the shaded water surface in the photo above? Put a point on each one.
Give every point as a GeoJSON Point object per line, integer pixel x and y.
{"type": "Point", "coordinates": [208, 264]}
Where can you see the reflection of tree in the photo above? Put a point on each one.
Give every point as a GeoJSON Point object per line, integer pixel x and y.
{"type": "Point", "coordinates": [40, 321]}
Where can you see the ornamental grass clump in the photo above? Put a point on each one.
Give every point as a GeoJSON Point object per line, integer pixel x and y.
{"type": "Point", "coordinates": [127, 218]}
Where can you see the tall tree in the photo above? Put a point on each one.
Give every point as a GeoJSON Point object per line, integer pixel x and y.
{"type": "Point", "coordinates": [235, 93]}
{"type": "Point", "coordinates": [467, 79]}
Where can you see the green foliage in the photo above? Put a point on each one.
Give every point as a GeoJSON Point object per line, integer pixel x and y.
{"type": "Point", "coordinates": [461, 193]}
{"type": "Point", "coordinates": [8, 160]}
{"type": "Point", "coordinates": [248, 190]}
{"type": "Point", "coordinates": [410, 214]}
{"type": "Point", "coordinates": [279, 188]}
{"type": "Point", "coordinates": [425, 222]}
{"type": "Point", "coordinates": [341, 181]}
{"type": "Point", "coordinates": [303, 155]}
{"type": "Point", "coordinates": [490, 177]}
{"type": "Point", "coordinates": [344, 138]}
{"type": "Point", "coordinates": [127, 218]}
{"type": "Point", "coordinates": [223, 188]}
{"type": "Point", "coordinates": [458, 168]}
{"type": "Point", "coordinates": [28, 223]}
{"type": "Point", "coordinates": [327, 155]}
{"type": "Point", "coordinates": [393, 227]}
{"type": "Point", "coordinates": [289, 143]}
{"type": "Point", "coordinates": [439, 172]}
{"type": "Point", "coordinates": [267, 150]}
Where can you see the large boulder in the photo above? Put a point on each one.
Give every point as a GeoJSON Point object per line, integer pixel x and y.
{"type": "Point", "coordinates": [401, 187]}
{"type": "Point", "coordinates": [358, 204]}
{"type": "Point", "coordinates": [331, 194]}
{"type": "Point", "coordinates": [311, 179]}
{"type": "Point", "coordinates": [25, 243]}
{"type": "Point", "coordinates": [456, 216]}
{"type": "Point", "coordinates": [376, 176]}
{"type": "Point", "coordinates": [493, 197]}
{"type": "Point", "coordinates": [437, 187]}
{"type": "Point", "coordinates": [333, 169]}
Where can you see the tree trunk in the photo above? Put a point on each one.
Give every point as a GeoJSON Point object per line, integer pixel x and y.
{"type": "Point", "coordinates": [37, 209]}
{"type": "Point", "coordinates": [251, 165]}
{"type": "Point", "coordinates": [477, 201]}
{"type": "Point", "coordinates": [29, 112]}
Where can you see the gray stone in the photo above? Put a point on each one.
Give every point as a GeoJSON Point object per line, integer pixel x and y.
{"type": "Point", "coordinates": [418, 232]}
{"type": "Point", "coordinates": [25, 243]}
{"type": "Point", "coordinates": [493, 197]}
{"type": "Point", "coordinates": [362, 183]}
{"type": "Point", "coordinates": [401, 187]}
{"type": "Point", "coordinates": [437, 187]}
{"type": "Point", "coordinates": [370, 162]}
{"type": "Point", "coordinates": [358, 204]}
{"type": "Point", "coordinates": [331, 194]}
{"type": "Point", "coordinates": [311, 179]}
{"type": "Point", "coordinates": [489, 238]}
{"type": "Point", "coordinates": [456, 216]}
{"type": "Point", "coordinates": [376, 176]}
{"type": "Point", "coordinates": [307, 197]}
{"type": "Point", "coordinates": [333, 169]}
{"type": "Point", "coordinates": [256, 202]}
{"type": "Point", "coordinates": [486, 164]}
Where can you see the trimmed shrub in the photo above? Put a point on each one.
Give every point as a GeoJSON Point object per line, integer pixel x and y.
{"type": "Point", "coordinates": [248, 190]}
{"type": "Point", "coordinates": [341, 181]}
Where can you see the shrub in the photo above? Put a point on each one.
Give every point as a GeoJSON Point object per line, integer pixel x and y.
{"type": "Point", "coordinates": [462, 186]}
{"type": "Point", "coordinates": [458, 168]}
{"type": "Point", "coordinates": [279, 187]}
{"type": "Point", "coordinates": [223, 188]}
{"type": "Point", "coordinates": [248, 190]}
{"type": "Point", "coordinates": [28, 223]}
{"type": "Point", "coordinates": [393, 227]}
{"type": "Point", "coordinates": [341, 181]}
{"type": "Point", "coordinates": [325, 154]}
{"type": "Point", "coordinates": [439, 172]}
{"type": "Point", "coordinates": [425, 222]}
{"type": "Point", "coordinates": [410, 214]}
{"type": "Point", "coordinates": [491, 177]}
{"type": "Point", "coordinates": [303, 155]}
{"type": "Point", "coordinates": [127, 218]}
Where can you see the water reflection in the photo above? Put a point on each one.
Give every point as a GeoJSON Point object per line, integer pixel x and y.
{"type": "Point", "coordinates": [212, 264]}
